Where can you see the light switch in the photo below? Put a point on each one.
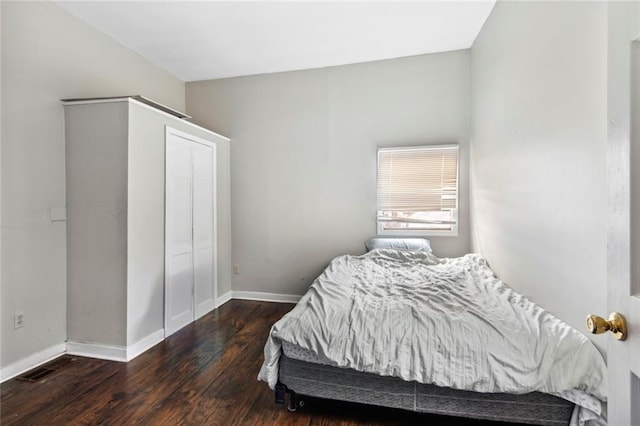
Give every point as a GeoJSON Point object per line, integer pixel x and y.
{"type": "Point", "coordinates": [58, 214]}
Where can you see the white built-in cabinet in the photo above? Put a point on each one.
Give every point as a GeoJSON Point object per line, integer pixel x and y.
{"type": "Point", "coordinates": [140, 267]}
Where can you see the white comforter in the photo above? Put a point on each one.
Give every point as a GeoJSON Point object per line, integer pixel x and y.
{"type": "Point", "coordinates": [448, 322]}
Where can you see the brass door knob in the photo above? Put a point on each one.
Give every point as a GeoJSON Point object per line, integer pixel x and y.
{"type": "Point", "coordinates": [616, 324]}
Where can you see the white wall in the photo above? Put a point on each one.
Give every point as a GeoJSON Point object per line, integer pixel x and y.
{"type": "Point", "coordinates": [303, 156]}
{"type": "Point", "coordinates": [96, 172]}
{"type": "Point", "coordinates": [47, 55]}
{"type": "Point", "coordinates": [538, 152]}
{"type": "Point", "coordinates": [1, 132]}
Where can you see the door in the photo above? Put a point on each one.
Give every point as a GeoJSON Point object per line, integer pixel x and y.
{"type": "Point", "coordinates": [203, 224]}
{"type": "Point", "coordinates": [623, 233]}
{"type": "Point", "coordinates": [179, 309]}
{"type": "Point", "coordinates": [189, 229]}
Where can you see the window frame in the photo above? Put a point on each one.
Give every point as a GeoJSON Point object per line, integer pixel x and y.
{"type": "Point", "coordinates": [453, 232]}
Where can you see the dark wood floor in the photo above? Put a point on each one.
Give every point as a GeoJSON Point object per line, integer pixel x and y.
{"type": "Point", "coordinates": [203, 374]}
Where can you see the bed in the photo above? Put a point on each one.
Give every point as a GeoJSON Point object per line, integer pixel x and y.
{"type": "Point", "coordinates": [402, 328]}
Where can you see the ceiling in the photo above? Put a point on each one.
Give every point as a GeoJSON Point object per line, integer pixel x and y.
{"type": "Point", "coordinates": [200, 40]}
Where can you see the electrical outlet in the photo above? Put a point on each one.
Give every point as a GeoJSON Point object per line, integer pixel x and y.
{"type": "Point", "coordinates": [236, 269]}
{"type": "Point", "coordinates": [18, 320]}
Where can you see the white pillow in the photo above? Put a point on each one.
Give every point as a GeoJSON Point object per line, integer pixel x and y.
{"type": "Point", "coordinates": [415, 244]}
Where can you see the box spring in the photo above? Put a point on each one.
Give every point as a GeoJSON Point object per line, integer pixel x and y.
{"type": "Point", "coordinates": [324, 381]}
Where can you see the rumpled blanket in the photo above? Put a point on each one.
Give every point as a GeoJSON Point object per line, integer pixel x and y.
{"type": "Point", "coordinates": [448, 322]}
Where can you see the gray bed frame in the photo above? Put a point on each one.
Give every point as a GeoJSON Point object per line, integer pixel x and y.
{"type": "Point", "coordinates": [299, 378]}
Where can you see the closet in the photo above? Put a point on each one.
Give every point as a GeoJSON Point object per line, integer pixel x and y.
{"type": "Point", "coordinates": [190, 234]}
{"type": "Point", "coordinates": [120, 243]}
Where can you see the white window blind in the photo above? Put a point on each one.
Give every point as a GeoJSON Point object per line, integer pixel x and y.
{"type": "Point", "coordinates": [418, 190]}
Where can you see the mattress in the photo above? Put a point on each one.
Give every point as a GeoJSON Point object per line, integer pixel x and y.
{"type": "Point", "coordinates": [444, 322]}
{"type": "Point", "coordinates": [301, 354]}
{"type": "Point", "coordinates": [324, 381]}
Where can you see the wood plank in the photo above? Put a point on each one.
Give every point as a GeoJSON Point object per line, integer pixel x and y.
{"type": "Point", "coordinates": [205, 373]}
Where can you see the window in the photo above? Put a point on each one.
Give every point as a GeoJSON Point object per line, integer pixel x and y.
{"type": "Point", "coordinates": [418, 190]}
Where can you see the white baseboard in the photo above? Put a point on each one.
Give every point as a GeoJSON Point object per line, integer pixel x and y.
{"type": "Point", "coordinates": [204, 308]}
{"type": "Point", "coordinates": [224, 298]}
{"type": "Point", "coordinates": [97, 350]}
{"type": "Point", "coordinates": [32, 361]}
{"type": "Point", "coordinates": [259, 296]}
{"type": "Point", "coordinates": [90, 350]}
{"type": "Point", "coordinates": [144, 344]}
{"type": "Point", "coordinates": [266, 297]}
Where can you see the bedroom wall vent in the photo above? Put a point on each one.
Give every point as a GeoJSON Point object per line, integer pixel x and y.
{"type": "Point", "coordinates": [39, 373]}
